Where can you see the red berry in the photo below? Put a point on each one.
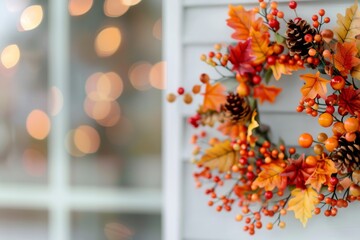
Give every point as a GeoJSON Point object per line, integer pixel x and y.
{"type": "Point", "coordinates": [271, 60]}
{"type": "Point", "coordinates": [268, 194]}
{"type": "Point", "coordinates": [334, 181]}
{"type": "Point", "coordinates": [243, 161]}
{"type": "Point", "coordinates": [292, 4]}
{"type": "Point", "coordinates": [250, 176]}
{"type": "Point", "coordinates": [181, 90]}
{"type": "Point", "coordinates": [315, 18]}
{"type": "Point", "coordinates": [256, 79]}
{"type": "Point", "coordinates": [337, 83]}
{"type": "Point", "coordinates": [274, 24]}
{"type": "Point", "coordinates": [308, 38]}
{"type": "Point", "coordinates": [330, 109]}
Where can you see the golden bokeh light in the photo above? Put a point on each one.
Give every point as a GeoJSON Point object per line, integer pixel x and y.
{"type": "Point", "coordinates": [70, 145]}
{"type": "Point", "coordinates": [107, 41]}
{"type": "Point", "coordinates": [115, 8]}
{"type": "Point", "coordinates": [113, 117]}
{"type": "Point", "coordinates": [86, 139]}
{"type": "Point", "coordinates": [97, 109]}
{"type": "Point", "coordinates": [79, 7]}
{"type": "Point", "coordinates": [10, 56]}
{"type": "Point", "coordinates": [104, 86]}
{"type": "Point", "coordinates": [38, 124]}
{"type": "Point", "coordinates": [34, 162]}
{"type": "Point", "coordinates": [31, 17]}
{"type": "Point", "coordinates": [56, 101]}
{"type": "Point", "coordinates": [158, 75]}
{"type": "Point", "coordinates": [139, 75]}
{"type": "Point", "coordinates": [131, 2]}
{"type": "Point", "coordinates": [157, 29]}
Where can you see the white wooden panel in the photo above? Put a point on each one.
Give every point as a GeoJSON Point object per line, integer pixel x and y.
{"type": "Point", "coordinates": [207, 24]}
{"type": "Point", "coordinates": [204, 223]}
{"type": "Point", "coordinates": [198, 3]}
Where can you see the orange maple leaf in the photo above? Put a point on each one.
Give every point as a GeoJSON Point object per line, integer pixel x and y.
{"type": "Point", "coordinates": [214, 97]}
{"type": "Point", "coordinates": [270, 176]}
{"type": "Point", "coordinates": [314, 85]}
{"type": "Point", "coordinates": [345, 57]}
{"type": "Point", "coordinates": [232, 130]}
{"type": "Point", "coordinates": [278, 69]}
{"type": "Point", "coordinates": [222, 156]}
{"type": "Point", "coordinates": [303, 203]}
{"type": "Point", "coordinates": [322, 174]}
{"type": "Point", "coordinates": [260, 46]}
{"type": "Point", "coordinates": [241, 20]}
{"type": "Point", "coordinates": [266, 93]}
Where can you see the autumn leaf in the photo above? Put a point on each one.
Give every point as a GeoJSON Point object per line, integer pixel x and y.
{"type": "Point", "coordinates": [241, 58]}
{"type": "Point", "coordinates": [253, 124]}
{"type": "Point", "coordinates": [214, 97]}
{"type": "Point", "coordinates": [322, 174]}
{"type": "Point", "coordinates": [232, 129]}
{"type": "Point", "coordinates": [298, 172]}
{"type": "Point", "coordinates": [241, 20]}
{"type": "Point", "coordinates": [303, 203]}
{"type": "Point", "coordinates": [314, 85]}
{"type": "Point", "coordinates": [348, 25]}
{"type": "Point", "coordinates": [345, 57]}
{"type": "Point", "coordinates": [260, 46]}
{"type": "Point", "coordinates": [349, 99]}
{"type": "Point", "coordinates": [270, 176]}
{"type": "Point", "coordinates": [240, 191]}
{"type": "Point", "coordinates": [278, 69]}
{"type": "Point", "coordinates": [266, 93]}
{"type": "Point", "coordinates": [355, 72]}
{"type": "Point", "coordinates": [221, 156]}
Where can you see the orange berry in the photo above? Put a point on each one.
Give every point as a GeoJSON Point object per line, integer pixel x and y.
{"type": "Point", "coordinates": [243, 89]}
{"type": "Point", "coordinates": [270, 16]}
{"type": "Point", "coordinates": [292, 150]}
{"type": "Point", "coordinates": [263, 5]}
{"type": "Point", "coordinates": [316, 24]}
{"type": "Point", "coordinates": [321, 12]}
{"type": "Point", "coordinates": [305, 140]}
{"type": "Point", "coordinates": [322, 137]}
{"type": "Point", "coordinates": [280, 14]}
{"type": "Point", "coordinates": [351, 125]}
{"type": "Point", "coordinates": [325, 119]}
{"type": "Point", "coordinates": [312, 52]}
{"type": "Point", "coordinates": [282, 224]}
{"type": "Point", "coordinates": [326, 53]}
{"type": "Point", "coordinates": [188, 98]}
{"type": "Point", "coordinates": [350, 137]}
{"type": "Point", "coordinates": [204, 78]}
{"type": "Point", "coordinates": [311, 160]}
{"type": "Point", "coordinates": [317, 37]}
{"type": "Point", "coordinates": [171, 97]}
{"type": "Point", "coordinates": [274, 5]}
{"type": "Point", "coordinates": [196, 89]}
{"type": "Point", "coordinates": [338, 129]}
{"type": "Point", "coordinates": [269, 226]}
{"type": "Point", "coordinates": [331, 143]}
{"type": "Point", "coordinates": [318, 149]}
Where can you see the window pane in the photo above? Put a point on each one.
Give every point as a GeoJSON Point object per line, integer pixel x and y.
{"type": "Point", "coordinates": [24, 109]}
{"type": "Point", "coordinates": [115, 79]}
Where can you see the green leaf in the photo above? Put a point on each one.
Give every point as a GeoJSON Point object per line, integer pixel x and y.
{"type": "Point", "coordinates": [268, 75]}
{"type": "Point", "coordinates": [279, 39]}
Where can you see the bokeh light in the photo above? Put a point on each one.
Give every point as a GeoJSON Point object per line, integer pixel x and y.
{"type": "Point", "coordinates": [38, 124]}
{"type": "Point", "coordinates": [139, 75]}
{"type": "Point", "coordinates": [97, 109]}
{"type": "Point", "coordinates": [157, 29]}
{"type": "Point", "coordinates": [56, 101]}
{"type": "Point", "coordinates": [115, 8]}
{"type": "Point", "coordinates": [34, 162]}
{"type": "Point", "coordinates": [79, 7]}
{"type": "Point", "coordinates": [104, 86]}
{"type": "Point", "coordinates": [107, 41]}
{"type": "Point", "coordinates": [131, 2]}
{"type": "Point", "coordinates": [117, 231]}
{"type": "Point", "coordinates": [86, 139]}
{"type": "Point", "coordinates": [70, 145]}
{"type": "Point", "coordinates": [31, 17]}
{"type": "Point", "coordinates": [157, 75]}
{"type": "Point", "coordinates": [10, 56]}
{"type": "Point", "coordinates": [113, 116]}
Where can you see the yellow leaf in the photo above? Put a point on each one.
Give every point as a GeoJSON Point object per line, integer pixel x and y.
{"type": "Point", "coordinates": [253, 124]}
{"type": "Point", "coordinates": [260, 46]}
{"type": "Point", "coordinates": [314, 85]}
{"type": "Point", "coordinates": [322, 174]}
{"type": "Point", "coordinates": [270, 176]}
{"type": "Point", "coordinates": [348, 25]}
{"type": "Point", "coordinates": [303, 203]}
{"type": "Point", "coordinates": [355, 72]}
{"type": "Point", "coordinates": [278, 69]}
{"type": "Point", "coordinates": [222, 157]}
{"type": "Point", "coordinates": [214, 97]}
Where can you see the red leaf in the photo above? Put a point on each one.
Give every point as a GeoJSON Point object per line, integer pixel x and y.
{"type": "Point", "coordinates": [298, 171]}
{"type": "Point", "coordinates": [266, 93]}
{"type": "Point", "coordinates": [349, 99]}
{"type": "Point", "coordinates": [240, 57]}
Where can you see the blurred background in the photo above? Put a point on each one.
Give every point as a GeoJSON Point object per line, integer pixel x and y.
{"type": "Point", "coordinates": [80, 155]}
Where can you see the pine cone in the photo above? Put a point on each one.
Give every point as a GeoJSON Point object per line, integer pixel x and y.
{"type": "Point", "coordinates": [295, 38]}
{"type": "Point", "coordinates": [237, 108]}
{"type": "Point", "coordinates": [347, 155]}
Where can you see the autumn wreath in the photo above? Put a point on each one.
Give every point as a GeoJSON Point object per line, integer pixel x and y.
{"type": "Point", "coordinates": [259, 171]}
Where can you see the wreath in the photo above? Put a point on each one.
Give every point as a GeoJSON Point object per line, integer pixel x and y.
{"type": "Point", "coordinates": [266, 180]}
